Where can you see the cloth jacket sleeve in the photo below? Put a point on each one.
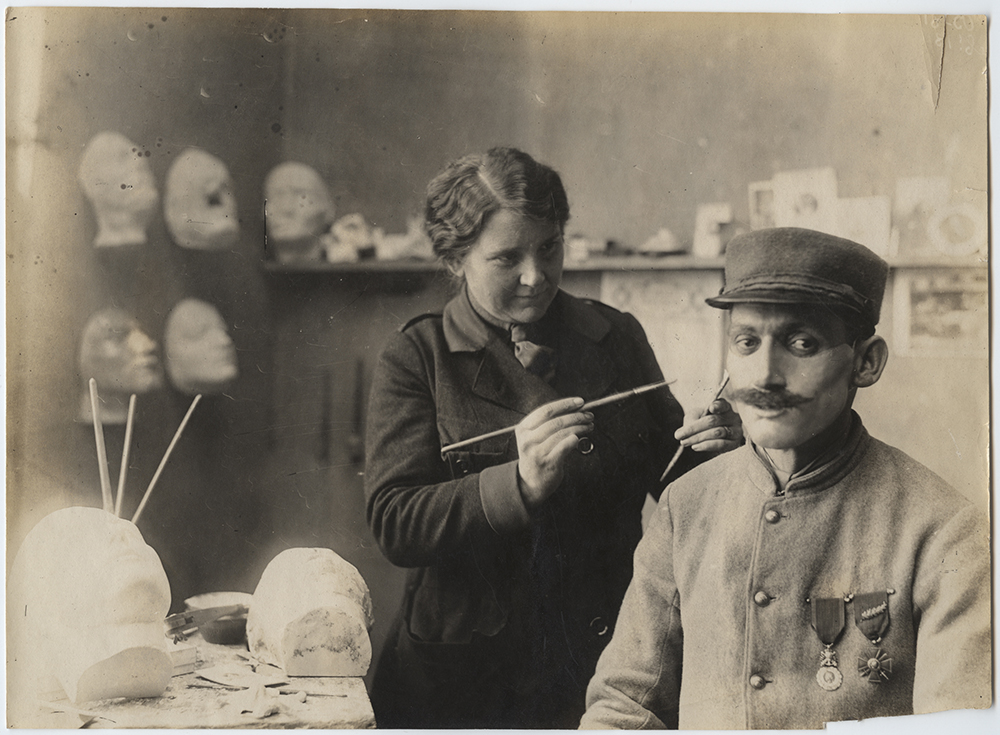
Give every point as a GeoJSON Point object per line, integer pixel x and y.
{"type": "Point", "coordinates": [952, 596]}
{"type": "Point", "coordinates": [638, 677]}
{"type": "Point", "coordinates": [418, 513]}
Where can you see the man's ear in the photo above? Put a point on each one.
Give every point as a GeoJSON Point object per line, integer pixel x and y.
{"type": "Point", "coordinates": [870, 358]}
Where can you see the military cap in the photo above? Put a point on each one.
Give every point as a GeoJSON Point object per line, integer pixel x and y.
{"type": "Point", "coordinates": [791, 265]}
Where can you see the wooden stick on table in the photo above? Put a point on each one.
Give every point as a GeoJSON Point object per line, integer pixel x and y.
{"type": "Point", "coordinates": [102, 452]}
{"type": "Point", "coordinates": [125, 452]}
{"type": "Point", "coordinates": [166, 456]}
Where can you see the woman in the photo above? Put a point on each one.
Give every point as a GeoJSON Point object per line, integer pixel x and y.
{"type": "Point", "coordinates": [520, 546]}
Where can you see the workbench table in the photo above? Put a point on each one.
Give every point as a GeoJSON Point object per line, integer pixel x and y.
{"type": "Point", "coordinates": [191, 702]}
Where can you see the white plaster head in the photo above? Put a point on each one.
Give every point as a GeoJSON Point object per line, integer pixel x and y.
{"type": "Point", "coordinates": [118, 181]}
{"type": "Point", "coordinates": [90, 598]}
{"type": "Point", "coordinates": [199, 204]}
{"type": "Point", "coordinates": [297, 203]}
{"type": "Point", "coordinates": [200, 355]}
{"type": "Point", "coordinates": [122, 358]}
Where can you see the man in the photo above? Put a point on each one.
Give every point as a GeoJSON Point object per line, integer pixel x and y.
{"type": "Point", "coordinates": [815, 574]}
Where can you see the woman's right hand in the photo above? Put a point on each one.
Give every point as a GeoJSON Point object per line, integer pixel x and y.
{"type": "Point", "coordinates": [545, 438]}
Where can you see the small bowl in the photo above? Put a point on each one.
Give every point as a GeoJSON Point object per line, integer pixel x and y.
{"type": "Point", "coordinates": [229, 629]}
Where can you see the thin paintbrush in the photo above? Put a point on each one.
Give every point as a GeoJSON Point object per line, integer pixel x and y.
{"type": "Point", "coordinates": [615, 397]}
{"type": "Point", "coordinates": [680, 449]}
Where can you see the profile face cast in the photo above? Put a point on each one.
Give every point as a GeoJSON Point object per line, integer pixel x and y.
{"type": "Point", "coordinates": [297, 203]}
{"type": "Point", "coordinates": [118, 354]}
{"type": "Point", "coordinates": [118, 181]}
{"type": "Point", "coordinates": [200, 355]}
{"type": "Point", "coordinates": [200, 207]}
{"type": "Point", "coordinates": [91, 589]}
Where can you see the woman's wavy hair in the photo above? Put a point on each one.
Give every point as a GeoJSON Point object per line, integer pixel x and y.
{"type": "Point", "coordinates": [461, 199]}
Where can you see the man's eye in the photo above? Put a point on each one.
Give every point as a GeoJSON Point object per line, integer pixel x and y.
{"type": "Point", "coordinates": [745, 344]}
{"type": "Point", "coordinates": [803, 345]}
{"type": "Point", "coordinates": [550, 247]}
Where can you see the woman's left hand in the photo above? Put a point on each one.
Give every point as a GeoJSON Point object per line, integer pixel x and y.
{"type": "Point", "coordinates": [717, 430]}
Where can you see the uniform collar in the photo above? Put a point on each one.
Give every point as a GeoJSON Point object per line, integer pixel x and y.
{"type": "Point", "coordinates": [830, 468]}
{"type": "Point", "coordinates": [466, 331]}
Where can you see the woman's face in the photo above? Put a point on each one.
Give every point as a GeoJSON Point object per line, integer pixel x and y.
{"type": "Point", "coordinates": [513, 270]}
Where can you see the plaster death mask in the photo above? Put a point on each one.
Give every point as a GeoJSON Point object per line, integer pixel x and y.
{"type": "Point", "coordinates": [118, 181]}
{"type": "Point", "coordinates": [92, 597]}
{"type": "Point", "coordinates": [121, 358]}
{"type": "Point", "coordinates": [200, 355]}
{"type": "Point", "coordinates": [297, 203]}
{"type": "Point", "coordinates": [199, 205]}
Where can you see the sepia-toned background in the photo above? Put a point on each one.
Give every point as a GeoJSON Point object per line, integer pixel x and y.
{"type": "Point", "coordinates": [646, 116]}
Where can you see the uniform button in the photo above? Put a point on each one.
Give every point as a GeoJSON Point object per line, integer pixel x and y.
{"type": "Point", "coordinates": [584, 445]}
{"type": "Point", "coordinates": [762, 599]}
{"type": "Point", "coordinates": [772, 516]}
{"type": "Point", "coordinates": [757, 681]}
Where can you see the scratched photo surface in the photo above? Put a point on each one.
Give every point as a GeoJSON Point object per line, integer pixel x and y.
{"type": "Point", "coordinates": [139, 147]}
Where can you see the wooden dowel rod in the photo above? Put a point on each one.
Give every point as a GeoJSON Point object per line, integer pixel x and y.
{"type": "Point", "coordinates": [123, 470]}
{"type": "Point", "coordinates": [166, 456]}
{"type": "Point", "coordinates": [613, 398]}
{"type": "Point", "coordinates": [107, 502]}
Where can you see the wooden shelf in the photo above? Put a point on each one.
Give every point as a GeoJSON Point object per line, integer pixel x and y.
{"type": "Point", "coordinates": [628, 263]}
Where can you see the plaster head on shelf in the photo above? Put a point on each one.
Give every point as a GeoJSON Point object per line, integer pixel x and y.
{"type": "Point", "coordinates": [199, 204]}
{"type": "Point", "coordinates": [118, 181]}
{"type": "Point", "coordinates": [297, 203]}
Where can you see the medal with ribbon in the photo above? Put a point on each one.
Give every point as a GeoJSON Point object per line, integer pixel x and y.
{"type": "Point", "coordinates": [828, 622]}
{"type": "Point", "coordinates": [871, 615]}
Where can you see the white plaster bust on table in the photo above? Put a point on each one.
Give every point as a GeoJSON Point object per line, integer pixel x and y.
{"type": "Point", "coordinates": [199, 205]}
{"type": "Point", "coordinates": [297, 210]}
{"type": "Point", "coordinates": [122, 358]}
{"type": "Point", "coordinates": [86, 601]}
{"type": "Point", "coordinates": [200, 355]}
{"type": "Point", "coordinates": [118, 181]}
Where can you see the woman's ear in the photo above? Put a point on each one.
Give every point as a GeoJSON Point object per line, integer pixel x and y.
{"type": "Point", "coordinates": [454, 267]}
{"type": "Point", "coordinates": [870, 358]}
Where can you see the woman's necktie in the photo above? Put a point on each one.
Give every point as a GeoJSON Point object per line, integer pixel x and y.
{"type": "Point", "coordinates": [536, 358]}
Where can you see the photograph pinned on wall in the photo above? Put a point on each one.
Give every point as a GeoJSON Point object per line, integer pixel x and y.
{"type": "Point", "coordinates": [712, 229]}
{"type": "Point", "coordinates": [941, 314]}
{"type": "Point", "coordinates": [806, 198]}
{"type": "Point", "coordinates": [931, 223]}
{"type": "Point", "coordinates": [761, 196]}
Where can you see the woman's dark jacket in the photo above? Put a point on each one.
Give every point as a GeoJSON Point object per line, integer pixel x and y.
{"type": "Point", "coordinates": [506, 611]}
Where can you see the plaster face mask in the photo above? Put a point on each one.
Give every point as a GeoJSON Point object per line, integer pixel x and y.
{"type": "Point", "coordinates": [297, 203]}
{"type": "Point", "coordinates": [121, 358]}
{"type": "Point", "coordinates": [93, 597]}
{"type": "Point", "coordinates": [118, 181]}
{"type": "Point", "coordinates": [199, 205]}
{"type": "Point", "coordinates": [201, 357]}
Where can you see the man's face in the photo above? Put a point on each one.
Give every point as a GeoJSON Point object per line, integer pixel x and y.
{"type": "Point", "coordinates": [790, 370]}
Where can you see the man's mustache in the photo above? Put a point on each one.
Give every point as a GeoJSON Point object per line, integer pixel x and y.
{"type": "Point", "coordinates": [768, 400]}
